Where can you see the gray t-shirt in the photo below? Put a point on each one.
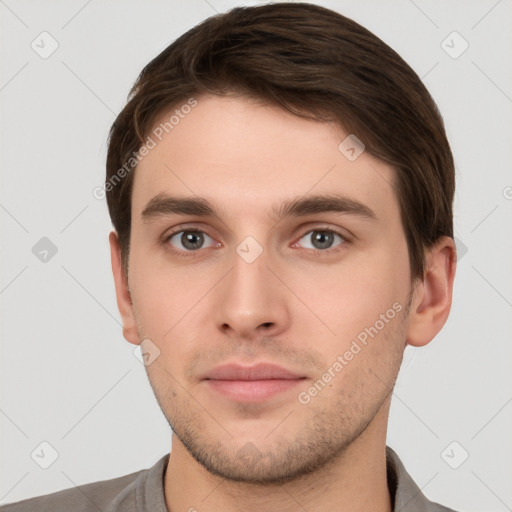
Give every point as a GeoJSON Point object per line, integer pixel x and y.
{"type": "Point", "coordinates": [143, 491]}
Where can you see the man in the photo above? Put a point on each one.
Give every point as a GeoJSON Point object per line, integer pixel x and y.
{"type": "Point", "coordinates": [281, 190]}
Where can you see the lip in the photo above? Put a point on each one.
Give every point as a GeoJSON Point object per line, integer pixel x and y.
{"type": "Point", "coordinates": [251, 383]}
{"type": "Point", "coordinates": [260, 371]}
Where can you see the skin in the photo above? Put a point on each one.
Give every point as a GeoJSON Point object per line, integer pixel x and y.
{"type": "Point", "coordinates": [291, 306]}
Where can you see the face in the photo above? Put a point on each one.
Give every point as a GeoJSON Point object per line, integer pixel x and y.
{"type": "Point", "coordinates": [259, 271]}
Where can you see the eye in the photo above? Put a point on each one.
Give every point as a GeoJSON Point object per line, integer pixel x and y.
{"type": "Point", "coordinates": [322, 239]}
{"type": "Point", "coordinates": [189, 240]}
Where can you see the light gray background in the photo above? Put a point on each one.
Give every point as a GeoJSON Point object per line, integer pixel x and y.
{"type": "Point", "coordinates": [68, 376]}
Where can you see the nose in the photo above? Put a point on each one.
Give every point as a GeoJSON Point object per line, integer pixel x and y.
{"type": "Point", "coordinates": [251, 301]}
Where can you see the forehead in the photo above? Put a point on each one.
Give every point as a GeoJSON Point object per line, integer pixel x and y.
{"type": "Point", "coordinates": [249, 157]}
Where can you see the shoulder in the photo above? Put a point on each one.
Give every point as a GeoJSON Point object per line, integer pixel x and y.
{"type": "Point", "coordinates": [114, 495]}
{"type": "Point", "coordinates": [436, 507]}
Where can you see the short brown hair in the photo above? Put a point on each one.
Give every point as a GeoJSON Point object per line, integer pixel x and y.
{"type": "Point", "coordinates": [314, 63]}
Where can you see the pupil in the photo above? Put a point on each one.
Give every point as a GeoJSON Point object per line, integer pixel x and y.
{"type": "Point", "coordinates": [322, 239]}
{"type": "Point", "coordinates": [192, 240]}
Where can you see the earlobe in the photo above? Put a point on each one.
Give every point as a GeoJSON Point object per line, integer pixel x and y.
{"type": "Point", "coordinates": [124, 300]}
{"type": "Point", "coordinates": [433, 297]}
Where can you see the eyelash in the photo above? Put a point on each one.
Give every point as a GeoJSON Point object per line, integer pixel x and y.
{"type": "Point", "coordinates": [188, 254]}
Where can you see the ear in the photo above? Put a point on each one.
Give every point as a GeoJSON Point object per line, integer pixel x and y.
{"type": "Point", "coordinates": [433, 294]}
{"type": "Point", "coordinates": [124, 300]}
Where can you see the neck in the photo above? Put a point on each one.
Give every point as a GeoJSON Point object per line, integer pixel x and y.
{"type": "Point", "coordinates": [354, 481]}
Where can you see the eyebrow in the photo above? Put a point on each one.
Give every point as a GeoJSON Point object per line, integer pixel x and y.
{"type": "Point", "coordinates": [163, 205]}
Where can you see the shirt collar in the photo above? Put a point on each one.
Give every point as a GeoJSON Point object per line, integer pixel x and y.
{"type": "Point", "coordinates": [406, 496]}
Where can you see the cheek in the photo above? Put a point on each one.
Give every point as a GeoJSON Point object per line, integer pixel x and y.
{"type": "Point", "coordinates": [164, 297]}
{"type": "Point", "coordinates": [350, 296]}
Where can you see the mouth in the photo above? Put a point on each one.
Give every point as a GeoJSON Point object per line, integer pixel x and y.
{"type": "Point", "coordinates": [251, 383]}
